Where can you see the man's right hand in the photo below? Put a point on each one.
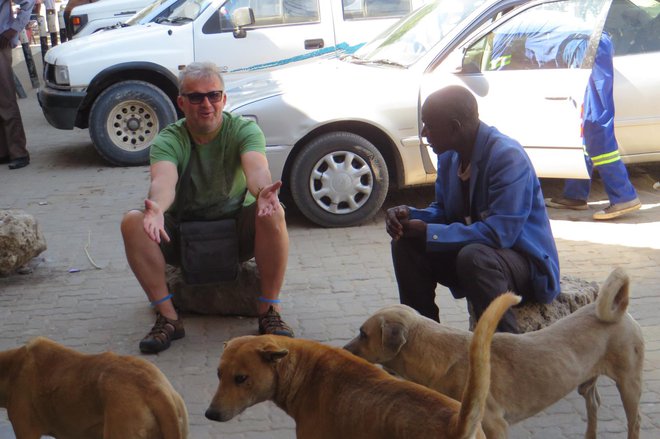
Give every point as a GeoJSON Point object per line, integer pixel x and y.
{"type": "Point", "coordinates": [393, 220]}
{"type": "Point", "coordinates": [154, 221]}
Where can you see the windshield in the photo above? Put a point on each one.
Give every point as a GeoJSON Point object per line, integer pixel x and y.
{"type": "Point", "coordinates": [144, 12]}
{"type": "Point", "coordinates": [414, 36]}
{"type": "Point", "coordinates": [184, 11]}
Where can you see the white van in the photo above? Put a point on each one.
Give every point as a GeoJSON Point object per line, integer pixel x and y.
{"type": "Point", "coordinates": [89, 18]}
{"type": "Point", "coordinates": [122, 84]}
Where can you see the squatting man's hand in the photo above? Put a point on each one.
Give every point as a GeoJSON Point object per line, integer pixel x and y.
{"type": "Point", "coordinates": [267, 199]}
{"type": "Point", "coordinates": [399, 225]}
{"type": "Point", "coordinates": [154, 221]}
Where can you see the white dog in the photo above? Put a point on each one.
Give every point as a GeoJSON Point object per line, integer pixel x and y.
{"type": "Point", "coordinates": [529, 371]}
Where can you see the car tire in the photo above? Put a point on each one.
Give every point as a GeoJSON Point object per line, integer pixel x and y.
{"type": "Point", "coordinates": [125, 118]}
{"type": "Point", "coordinates": [339, 179]}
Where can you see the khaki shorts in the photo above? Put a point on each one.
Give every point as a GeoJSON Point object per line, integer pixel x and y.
{"type": "Point", "coordinates": [244, 226]}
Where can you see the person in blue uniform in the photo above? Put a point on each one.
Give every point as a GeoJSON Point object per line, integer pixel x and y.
{"type": "Point", "coordinates": [601, 147]}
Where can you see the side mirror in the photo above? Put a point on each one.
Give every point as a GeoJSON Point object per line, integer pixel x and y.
{"type": "Point", "coordinates": [242, 17]}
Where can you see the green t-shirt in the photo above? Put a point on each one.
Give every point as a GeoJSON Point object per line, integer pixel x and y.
{"type": "Point", "coordinates": [217, 187]}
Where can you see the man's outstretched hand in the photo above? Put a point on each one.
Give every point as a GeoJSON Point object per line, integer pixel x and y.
{"type": "Point", "coordinates": [267, 200]}
{"type": "Point", "coordinates": [154, 221]}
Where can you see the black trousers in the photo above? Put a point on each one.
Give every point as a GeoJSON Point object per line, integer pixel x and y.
{"type": "Point", "coordinates": [479, 271]}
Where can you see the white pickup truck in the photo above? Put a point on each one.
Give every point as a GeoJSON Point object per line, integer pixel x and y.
{"type": "Point", "coordinates": [122, 83]}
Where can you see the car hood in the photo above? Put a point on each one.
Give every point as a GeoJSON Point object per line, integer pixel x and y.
{"type": "Point", "coordinates": [104, 44]}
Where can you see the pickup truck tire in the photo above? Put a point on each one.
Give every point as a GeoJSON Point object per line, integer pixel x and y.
{"type": "Point", "coordinates": [339, 179]}
{"type": "Point", "coordinates": [125, 118]}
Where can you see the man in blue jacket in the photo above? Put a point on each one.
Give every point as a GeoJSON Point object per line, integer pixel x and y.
{"type": "Point", "coordinates": [487, 231]}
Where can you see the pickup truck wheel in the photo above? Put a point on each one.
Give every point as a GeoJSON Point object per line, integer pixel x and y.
{"type": "Point", "coordinates": [339, 179]}
{"type": "Point", "coordinates": [125, 118]}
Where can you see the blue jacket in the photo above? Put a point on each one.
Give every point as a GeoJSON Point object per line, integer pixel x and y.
{"type": "Point", "coordinates": [505, 198]}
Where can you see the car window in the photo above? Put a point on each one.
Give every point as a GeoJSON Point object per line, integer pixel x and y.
{"type": "Point", "coordinates": [360, 9]}
{"type": "Point", "coordinates": [547, 36]}
{"type": "Point", "coordinates": [419, 32]}
{"type": "Point", "coordinates": [634, 26]}
{"type": "Point", "coordinates": [266, 13]}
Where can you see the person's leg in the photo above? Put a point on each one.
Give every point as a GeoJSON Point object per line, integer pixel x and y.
{"type": "Point", "coordinates": [271, 253]}
{"type": "Point", "coordinates": [418, 272]}
{"type": "Point", "coordinates": [148, 264]}
{"type": "Point", "coordinates": [485, 273]}
{"type": "Point", "coordinates": [13, 142]}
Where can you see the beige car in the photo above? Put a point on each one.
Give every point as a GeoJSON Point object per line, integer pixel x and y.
{"type": "Point", "coordinates": [341, 132]}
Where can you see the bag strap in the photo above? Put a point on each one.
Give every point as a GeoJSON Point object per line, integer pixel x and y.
{"type": "Point", "coordinates": [184, 180]}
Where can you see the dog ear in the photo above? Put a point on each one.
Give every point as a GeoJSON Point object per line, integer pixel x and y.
{"type": "Point", "coordinates": [394, 337]}
{"type": "Point", "coordinates": [272, 354]}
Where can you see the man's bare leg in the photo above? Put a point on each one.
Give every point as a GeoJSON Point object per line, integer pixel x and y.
{"type": "Point", "coordinates": [271, 251]}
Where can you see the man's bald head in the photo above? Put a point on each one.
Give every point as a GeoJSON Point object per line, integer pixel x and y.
{"type": "Point", "coordinates": [453, 102]}
{"type": "Point", "coordinates": [451, 120]}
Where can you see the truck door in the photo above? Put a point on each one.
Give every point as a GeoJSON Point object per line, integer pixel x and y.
{"type": "Point", "coordinates": [284, 31]}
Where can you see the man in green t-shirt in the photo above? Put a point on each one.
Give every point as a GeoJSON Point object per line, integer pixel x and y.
{"type": "Point", "coordinates": [229, 178]}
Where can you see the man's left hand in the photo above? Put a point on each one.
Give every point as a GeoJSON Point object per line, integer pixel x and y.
{"type": "Point", "coordinates": [267, 200]}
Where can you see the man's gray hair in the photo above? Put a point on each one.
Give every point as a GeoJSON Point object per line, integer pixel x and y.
{"type": "Point", "coordinates": [200, 70]}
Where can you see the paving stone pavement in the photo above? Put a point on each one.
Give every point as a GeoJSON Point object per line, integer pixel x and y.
{"type": "Point", "coordinates": [335, 279]}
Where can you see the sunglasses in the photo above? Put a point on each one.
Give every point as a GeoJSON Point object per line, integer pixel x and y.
{"type": "Point", "coordinates": [198, 98]}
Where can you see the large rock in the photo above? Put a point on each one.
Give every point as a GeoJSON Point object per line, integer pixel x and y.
{"type": "Point", "coordinates": [575, 293]}
{"type": "Point", "coordinates": [20, 240]}
{"type": "Point", "coordinates": [238, 297]}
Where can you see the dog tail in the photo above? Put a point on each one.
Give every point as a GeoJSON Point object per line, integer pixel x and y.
{"type": "Point", "coordinates": [613, 296]}
{"type": "Point", "coordinates": [478, 383]}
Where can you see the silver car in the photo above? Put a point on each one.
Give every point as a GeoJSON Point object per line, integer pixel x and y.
{"type": "Point", "coordinates": [341, 132]}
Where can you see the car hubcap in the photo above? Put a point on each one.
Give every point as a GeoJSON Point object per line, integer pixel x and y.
{"type": "Point", "coordinates": [132, 125]}
{"type": "Point", "coordinates": [341, 182]}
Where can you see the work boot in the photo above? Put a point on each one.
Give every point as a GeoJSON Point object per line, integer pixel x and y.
{"type": "Point", "coordinates": [161, 335]}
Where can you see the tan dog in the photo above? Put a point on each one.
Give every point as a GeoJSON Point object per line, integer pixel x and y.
{"type": "Point", "coordinates": [333, 394]}
{"type": "Point", "coordinates": [49, 389]}
{"type": "Point", "coordinates": [529, 371]}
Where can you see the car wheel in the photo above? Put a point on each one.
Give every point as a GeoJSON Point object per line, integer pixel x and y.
{"type": "Point", "coordinates": [339, 179]}
{"type": "Point", "coordinates": [125, 118]}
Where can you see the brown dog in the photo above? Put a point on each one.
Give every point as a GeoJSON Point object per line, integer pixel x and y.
{"type": "Point", "coordinates": [333, 394]}
{"type": "Point", "coordinates": [529, 371]}
{"type": "Point", "coordinates": [49, 389]}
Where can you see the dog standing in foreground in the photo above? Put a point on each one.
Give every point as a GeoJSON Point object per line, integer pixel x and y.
{"type": "Point", "coordinates": [333, 394]}
{"type": "Point", "coordinates": [529, 371]}
{"type": "Point", "coordinates": [49, 389]}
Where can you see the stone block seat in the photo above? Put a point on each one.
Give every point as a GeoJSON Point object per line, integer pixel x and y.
{"type": "Point", "coordinates": [232, 298]}
{"type": "Point", "coordinates": [575, 293]}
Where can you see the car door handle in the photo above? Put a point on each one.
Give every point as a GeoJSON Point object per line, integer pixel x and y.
{"type": "Point", "coordinates": [316, 43]}
{"type": "Point", "coordinates": [562, 98]}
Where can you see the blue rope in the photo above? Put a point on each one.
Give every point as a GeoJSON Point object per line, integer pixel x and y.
{"type": "Point", "coordinates": [263, 299]}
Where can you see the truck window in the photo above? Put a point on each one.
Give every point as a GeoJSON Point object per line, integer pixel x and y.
{"type": "Point", "coordinates": [266, 13]}
{"type": "Point", "coordinates": [361, 9]}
